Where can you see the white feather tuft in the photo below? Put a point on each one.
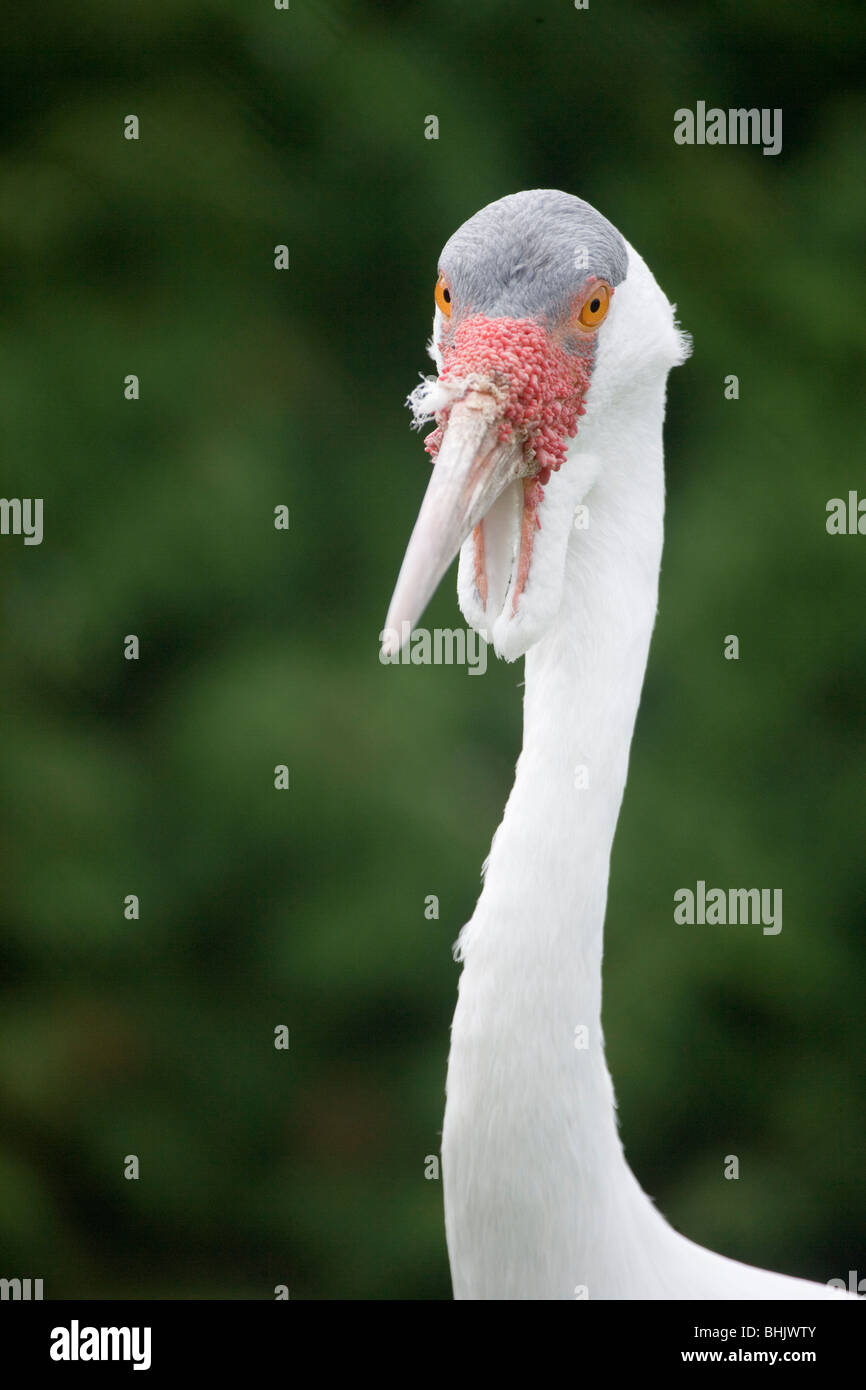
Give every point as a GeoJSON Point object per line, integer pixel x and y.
{"type": "Point", "coordinates": [431, 396]}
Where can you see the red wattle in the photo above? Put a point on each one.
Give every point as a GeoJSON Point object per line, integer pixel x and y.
{"type": "Point", "coordinates": [543, 385]}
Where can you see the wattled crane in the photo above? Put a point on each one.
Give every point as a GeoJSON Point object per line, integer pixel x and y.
{"type": "Point", "coordinates": [545, 319]}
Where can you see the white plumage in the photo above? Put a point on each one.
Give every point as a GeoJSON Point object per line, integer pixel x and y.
{"type": "Point", "coordinates": [539, 1200]}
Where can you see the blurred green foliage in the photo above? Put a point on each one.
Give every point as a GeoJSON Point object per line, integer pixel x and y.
{"type": "Point", "coordinates": [259, 647]}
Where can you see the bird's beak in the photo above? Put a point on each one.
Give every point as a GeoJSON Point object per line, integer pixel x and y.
{"type": "Point", "coordinates": [473, 467]}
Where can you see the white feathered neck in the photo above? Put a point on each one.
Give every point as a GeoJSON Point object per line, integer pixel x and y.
{"type": "Point", "coordinates": [539, 1200]}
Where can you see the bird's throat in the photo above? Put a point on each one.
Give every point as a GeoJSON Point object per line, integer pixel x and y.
{"type": "Point", "coordinates": [527, 1188]}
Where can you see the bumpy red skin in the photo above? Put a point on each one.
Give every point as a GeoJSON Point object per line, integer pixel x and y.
{"type": "Point", "coordinates": [542, 387]}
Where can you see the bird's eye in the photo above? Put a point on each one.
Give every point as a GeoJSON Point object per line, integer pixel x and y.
{"type": "Point", "coordinates": [596, 306]}
{"type": "Point", "coordinates": [442, 295]}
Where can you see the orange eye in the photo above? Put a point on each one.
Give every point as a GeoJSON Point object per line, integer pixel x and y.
{"type": "Point", "coordinates": [442, 295]}
{"type": "Point", "coordinates": [596, 306]}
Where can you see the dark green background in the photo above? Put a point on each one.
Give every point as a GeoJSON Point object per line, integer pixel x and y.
{"type": "Point", "coordinates": [260, 647]}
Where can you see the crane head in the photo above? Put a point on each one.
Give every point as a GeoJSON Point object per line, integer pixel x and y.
{"type": "Point", "coordinates": [523, 301]}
